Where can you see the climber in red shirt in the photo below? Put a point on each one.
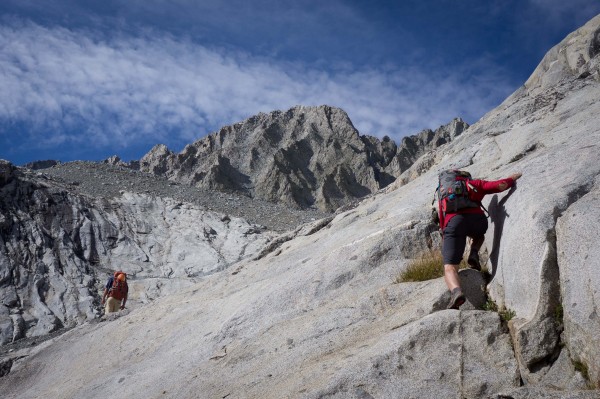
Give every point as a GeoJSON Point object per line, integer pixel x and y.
{"type": "Point", "coordinates": [467, 222]}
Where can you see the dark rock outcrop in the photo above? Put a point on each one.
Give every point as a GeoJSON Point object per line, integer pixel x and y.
{"type": "Point", "coordinates": [37, 165]}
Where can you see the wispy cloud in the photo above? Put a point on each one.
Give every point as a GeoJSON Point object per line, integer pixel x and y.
{"type": "Point", "coordinates": [75, 87]}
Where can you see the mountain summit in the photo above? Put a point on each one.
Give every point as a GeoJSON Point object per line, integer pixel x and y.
{"type": "Point", "coordinates": [303, 157]}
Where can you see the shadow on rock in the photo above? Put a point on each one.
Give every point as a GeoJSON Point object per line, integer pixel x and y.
{"type": "Point", "coordinates": [498, 215]}
{"type": "Point", "coordinates": [473, 285]}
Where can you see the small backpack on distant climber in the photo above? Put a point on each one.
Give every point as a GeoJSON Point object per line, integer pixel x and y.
{"type": "Point", "coordinates": [453, 191]}
{"type": "Point", "coordinates": [119, 287]}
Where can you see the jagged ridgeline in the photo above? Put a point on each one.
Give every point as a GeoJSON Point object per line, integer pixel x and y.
{"type": "Point", "coordinates": [303, 157]}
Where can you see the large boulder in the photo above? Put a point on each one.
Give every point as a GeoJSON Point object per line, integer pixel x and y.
{"type": "Point", "coordinates": [578, 259]}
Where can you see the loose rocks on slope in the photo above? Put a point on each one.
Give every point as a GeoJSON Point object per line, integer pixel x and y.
{"type": "Point", "coordinates": [102, 180]}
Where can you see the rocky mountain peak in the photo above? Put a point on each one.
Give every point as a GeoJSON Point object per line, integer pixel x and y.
{"type": "Point", "coordinates": [305, 157]}
{"type": "Point", "coordinates": [156, 161]}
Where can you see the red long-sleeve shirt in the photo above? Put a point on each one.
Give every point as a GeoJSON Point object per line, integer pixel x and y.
{"type": "Point", "coordinates": [481, 189]}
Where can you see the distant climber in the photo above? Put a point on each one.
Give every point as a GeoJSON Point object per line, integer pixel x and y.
{"type": "Point", "coordinates": [461, 215]}
{"type": "Point", "coordinates": [116, 289]}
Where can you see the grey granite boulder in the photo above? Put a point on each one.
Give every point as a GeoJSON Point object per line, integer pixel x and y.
{"type": "Point", "coordinates": [465, 355]}
{"type": "Point", "coordinates": [579, 261]}
{"type": "Point", "coordinates": [543, 393]}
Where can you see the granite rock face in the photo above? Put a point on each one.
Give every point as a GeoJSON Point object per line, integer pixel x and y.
{"type": "Point", "coordinates": [578, 255]}
{"type": "Point", "coordinates": [57, 248]}
{"type": "Point", "coordinates": [541, 245]}
{"type": "Point", "coordinates": [318, 315]}
{"type": "Point", "coordinates": [304, 157]}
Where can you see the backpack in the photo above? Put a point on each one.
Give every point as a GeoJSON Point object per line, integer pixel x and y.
{"type": "Point", "coordinates": [453, 191]}
{"type": "Point", "coordinates": [119, 288]}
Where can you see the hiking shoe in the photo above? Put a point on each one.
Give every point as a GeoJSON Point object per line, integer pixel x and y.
{"type": "Point", "coordinates": [456, 299]}
{"type": "Point", "coordinates": [473, 260]}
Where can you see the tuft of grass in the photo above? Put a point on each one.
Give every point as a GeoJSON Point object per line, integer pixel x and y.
{"type": "Point", "coordinates": [490, 306]}
{"type": "Point", "coordinates": [582, 368]}
{"type": "Point", "coordinates": [428, 266]}
{"type": "Point", "coordinates": [505, 313]}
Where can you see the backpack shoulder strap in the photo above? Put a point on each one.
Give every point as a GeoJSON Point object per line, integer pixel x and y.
{"type": "Point", "coordinates": [469, 185]}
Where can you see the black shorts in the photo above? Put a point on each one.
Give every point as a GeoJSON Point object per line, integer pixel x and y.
{"type": "Point", "coordinates": [460, 227]}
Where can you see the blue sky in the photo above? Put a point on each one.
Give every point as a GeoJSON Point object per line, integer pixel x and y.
{"type": "Point", "coordinates": [91, 79]}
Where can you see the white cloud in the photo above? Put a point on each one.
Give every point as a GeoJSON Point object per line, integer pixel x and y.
{"type": "Point", "coordinates": [117, 92]}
